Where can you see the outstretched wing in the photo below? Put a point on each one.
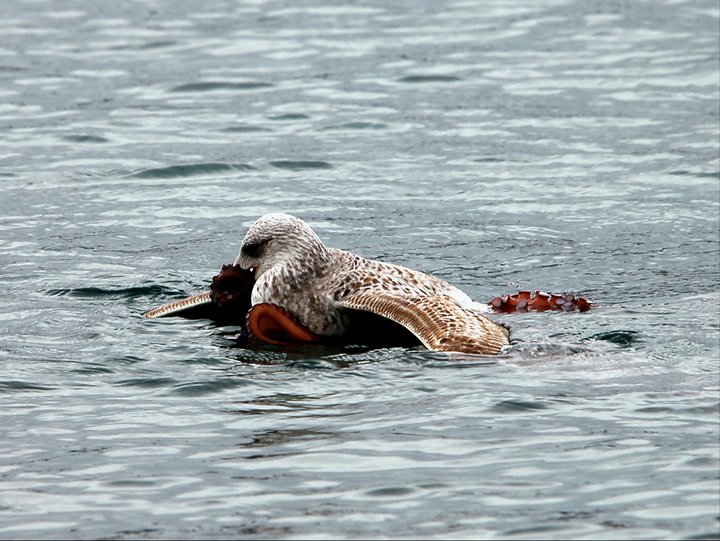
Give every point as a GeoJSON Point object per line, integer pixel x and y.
{"type": "Point", "coordinates": [194, 307]}
{"type": "Point", "coordinates": [227, 301]}
{"type": "Point", "coordinates": [436, 320]}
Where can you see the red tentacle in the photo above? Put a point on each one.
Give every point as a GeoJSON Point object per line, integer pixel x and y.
{"type": "Point", "coordinates": [524, 301]}
{"type": "Point", "coordinates": [273, 324]}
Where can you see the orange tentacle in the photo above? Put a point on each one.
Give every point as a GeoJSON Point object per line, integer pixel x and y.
{"type": "Point", "coordinates": [524, 301]}
{"type": "Point", "coordinates": [273, 324]}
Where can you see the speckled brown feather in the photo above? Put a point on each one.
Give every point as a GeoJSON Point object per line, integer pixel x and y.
{"type": "Point", "coordinates": [438, 322]}
{"type": "Point", "coordinates": [322, 287]}
{"type": "Point", "coordinates": [178, 308]}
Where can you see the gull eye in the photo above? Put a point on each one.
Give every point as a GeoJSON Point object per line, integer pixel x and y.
{"type": "Point", "coordinates": [252, 249]}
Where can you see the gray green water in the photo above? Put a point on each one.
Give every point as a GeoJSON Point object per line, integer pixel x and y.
{"type": "Point", "coordinates": [499, 145]}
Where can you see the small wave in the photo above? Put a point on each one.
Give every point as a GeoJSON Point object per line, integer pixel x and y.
{"type": "Point", "coordinates": [709, 409]}
{"type": "Point", "coordinates": [293, 165]}
{"type": "Point", "coordinates": [489, 159]}
{"type": "Point", "coordinates": [624, 338]}
{"type": "Point", "coordinates": [18, 385]}
{"type": "Point", "coordinates": [311, 364]}
{"type": "Point", "coordinates": [209, 86]}
{"type": "Point", "coordinates": [244, 129]}
{"type": "Point", "coordinates": [429, 79]}
{"type": "Point", "coordinates": [199, 388]}
{"type": "Point", "coordinates": [92, 368]}
{"type": "Point", "coordinates": [156, 44]}
{"type": "Point", "coordinates": [120, 293]}
{"type": "Point", "coordinates": [190, 170]}
{"type": "Point", "coordinates": [149, 383]}
{"type": "Point", "coordinates": [85, 139]}
{"type": "Point", "coordinates": [290, 116]}
{"type": "Point", "coordinates": [391, 492]}
{"type": "Point", "coordinates": [518, 406]}
{"type": "Point", "coordinates": [357, 126]}
{"type": "Point", "coordinates": [522, 350]}
{"type": "Point", "coordinates": [682, 172]}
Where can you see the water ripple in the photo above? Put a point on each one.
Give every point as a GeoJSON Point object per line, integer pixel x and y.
{"type": "Point", "coordinates": [299, 165]}
{"type": "Point", "coordinates": [191, 170]}
{"type": "Point", "coordinates": [209, 86]}
{"type": "Point", "coordinates": [556, 145]}
{"type": "Point", "coordinates": [199, 388]}
{"type": "Point", "coordinates": [429, 79]}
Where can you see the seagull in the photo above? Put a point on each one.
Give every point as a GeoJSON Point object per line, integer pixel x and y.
{"type": "Point", "coordinates": [287, 287]}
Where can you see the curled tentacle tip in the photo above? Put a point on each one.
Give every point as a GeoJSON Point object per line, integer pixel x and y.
{"type": "Point", "coordinates": [273, 324]}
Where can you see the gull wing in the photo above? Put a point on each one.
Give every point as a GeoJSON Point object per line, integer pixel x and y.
{"type": "Point", "coordinates": [227, 301]}
{"type": "Point", "coordinates": [436, 320]}
{"type": "Point", "coordinates": [194, 307]}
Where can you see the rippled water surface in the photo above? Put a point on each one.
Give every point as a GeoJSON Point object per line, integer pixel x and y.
{"type": "Point", "coordinates": [499, 145]}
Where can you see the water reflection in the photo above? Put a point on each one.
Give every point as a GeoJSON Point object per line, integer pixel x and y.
{"type": "Point", "coordinates": [277, 438]}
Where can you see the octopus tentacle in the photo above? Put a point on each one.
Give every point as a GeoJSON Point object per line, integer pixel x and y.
{"type": "Point", "coordinates": [525, 301]}
{"type": "Point", "coordinates": [273, 324]}
{"type": "Point", "coordinates": [231, 289]}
